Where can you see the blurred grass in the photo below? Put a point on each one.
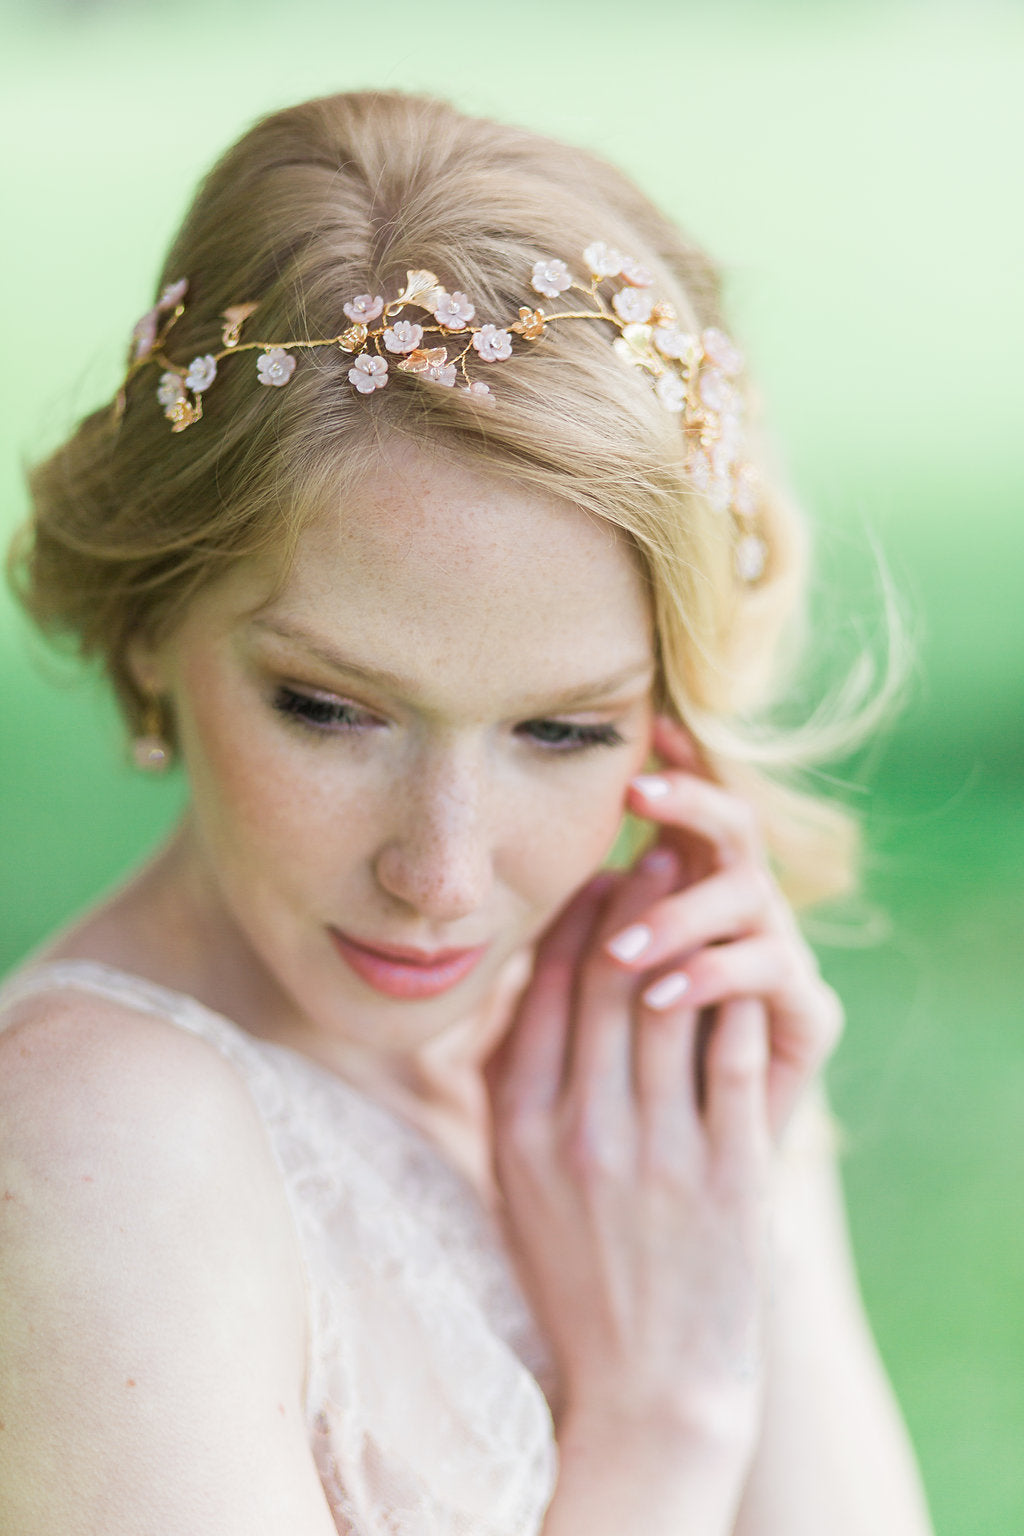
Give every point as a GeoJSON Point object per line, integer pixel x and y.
{"type": "Point", "coordinates": [856, 168]}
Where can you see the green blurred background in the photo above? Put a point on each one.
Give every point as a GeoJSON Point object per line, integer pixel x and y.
{"type": "Point", "coordinates": [856, 168]}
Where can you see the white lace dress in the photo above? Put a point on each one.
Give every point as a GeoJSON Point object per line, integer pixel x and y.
{"type": "Point", "coordinates": [424, 1409]}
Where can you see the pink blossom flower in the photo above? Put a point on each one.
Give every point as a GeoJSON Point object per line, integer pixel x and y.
{"type": "Point", "coordinates": [671, 342]}
{"type": "Point", "coordinates": [172, 295]}
{"type": "Point", "coordinates": [730, 427]}
{"type": "Point", "coordinates": [442, 373]}
{"type": "Point", "coordinates": [144, 335]}
{"type": "Point", "coordinates": [719, 350]}
{"type": "Point", "coordinates": [550, 278]}
{"type": "Point", "coordinates": [201, 372]}
{"type": "Point", "coordinates": [493, 344]}
{"type": "Point", "coordinates": [364, 308]}
{"type": "Point", "coordinates": [633, 306]}
{"type": "Point", "coordinates": [480, 391]}
{"type": "Point", "coordinates": [368, 373]}
{"type": "Point", "coordinates": [403, 336]}
{"type": "Point", "coordinates": [671, 391]}
{"type": "Point", "coordinates": [699, 468]}
{"type": "Point", "coordinates": [715, 390]}
{"type": "Point", "coordinates": [454, 311]}
{"type": "Point", "coordinates": [170, 389]}
{"type": "Point", "coordinates": [275, 367]}
{"type": "Point", "coordinates": [635, 273]}
{"type": "Point", "coordinates": [602, 260]}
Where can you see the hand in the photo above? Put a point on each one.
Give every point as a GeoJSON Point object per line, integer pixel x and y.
{"type": "Point", "coordinates": [730, 932]}
{"type": "Point", "coordinates": [637, 1215]}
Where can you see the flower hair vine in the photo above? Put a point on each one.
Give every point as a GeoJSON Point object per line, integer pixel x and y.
{"type": "Point", "coordinates": [693, 374]}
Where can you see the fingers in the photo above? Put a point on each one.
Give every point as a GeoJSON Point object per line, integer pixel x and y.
{"type": "Point", "coordinates": [665, 1082]}
{"type": "Point", "coordinates": [528, 1070]}
{"type": "Point", "coordinates": [682, 801]}
{"type": "Point", "coordinates": [600, 1047]}
{"type": "Point", "coordinates": [805, 1015]}
{"type": "Point", "coordinates": [726, 905]}
{"type": "Point", "coordinates": [735, 1084]}
{"type": "Point", "coordinates": [799, 1054]}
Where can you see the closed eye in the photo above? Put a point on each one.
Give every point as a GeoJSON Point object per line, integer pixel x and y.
{"type": "Point", "coordinates": [564, 736]}
{"type": "Point", "coordinates": [319, 713]}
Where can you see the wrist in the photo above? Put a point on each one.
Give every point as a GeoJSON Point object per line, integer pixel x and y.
{"type": "Point", "coordinates": [622, 1471]}
{"type": "Point", "coordinates": [716, 1425]}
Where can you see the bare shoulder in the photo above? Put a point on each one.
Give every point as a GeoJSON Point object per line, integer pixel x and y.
{"type": "Point", "coordinates": [148, 1265]}
{"type": "Point", "coordinates": [79, 1070]}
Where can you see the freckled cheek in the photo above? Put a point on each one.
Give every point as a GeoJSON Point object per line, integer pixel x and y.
{"type": "Point", "coordinates": [260, 795]}
{"type": "Point", "coordinates": [559, 841]}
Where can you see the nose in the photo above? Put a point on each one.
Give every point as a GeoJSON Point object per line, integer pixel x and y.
{"type": "Point", "coordinates": [438, 860]}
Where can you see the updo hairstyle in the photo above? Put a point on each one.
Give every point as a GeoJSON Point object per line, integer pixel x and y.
{"type": "Point", "coordinates": [341, 196]}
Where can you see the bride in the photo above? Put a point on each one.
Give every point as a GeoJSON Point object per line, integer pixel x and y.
{"type": "Point", "coordinates": [376, 1159]}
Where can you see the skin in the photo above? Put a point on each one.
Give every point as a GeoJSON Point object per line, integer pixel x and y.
{"type": "Point", "coordinates": [431, 815]}
{"type": "Point", "coordinates": [437, 804]}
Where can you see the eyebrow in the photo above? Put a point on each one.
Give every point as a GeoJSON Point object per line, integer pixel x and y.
{"type": "Point", "coordinates": [395, 682]}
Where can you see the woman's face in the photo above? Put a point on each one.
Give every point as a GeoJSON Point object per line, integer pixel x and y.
{"type": "Point", "coordinates": [405, 761]}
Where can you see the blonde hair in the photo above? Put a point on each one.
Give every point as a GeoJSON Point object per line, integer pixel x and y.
{"type": "Point", "coordinates": [341, 196]}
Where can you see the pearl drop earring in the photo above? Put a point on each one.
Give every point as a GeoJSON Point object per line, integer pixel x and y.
{"type": "Point", "coordinates": [150, 751]}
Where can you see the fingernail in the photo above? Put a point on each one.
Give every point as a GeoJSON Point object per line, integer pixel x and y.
{"type": "Point", "coordinates": [651, 786]}
{"type": "Point", "coordinates": [630, 942]}
{"type": "Point", "coordinates": [657, 861]}
{"type": "Point", "coordinates": [666, 991]}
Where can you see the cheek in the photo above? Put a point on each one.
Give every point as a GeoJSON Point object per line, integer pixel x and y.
{"type": "Point", "coordinates": [563, 837]}
{"type": "Point", "coordinates": [257, 793]}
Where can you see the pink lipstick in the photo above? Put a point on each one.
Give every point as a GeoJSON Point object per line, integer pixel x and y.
{"type": "Point", "coordinates": [407, 973]}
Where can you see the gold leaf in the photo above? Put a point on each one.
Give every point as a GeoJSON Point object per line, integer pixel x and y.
{"type": "Point", "coordinates": [423, 358]}
{"type": "Point", "coordinates": [421, 288]}
{"type": "Point", "coordinates": [182, 414]}
{"type": "Point", "coordinates": [235, 316]}
{"type": "Point", "coordinates": [530, 324]}
{"type": "Point", "coordinates": [353, 339]}
{"type": "Point", "coordinates": [634, 346]}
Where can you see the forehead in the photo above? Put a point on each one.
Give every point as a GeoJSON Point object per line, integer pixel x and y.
{"type": "Point", "coordinates": [429, 564]}
{"type": "Point", "coordinates": [427, 525]}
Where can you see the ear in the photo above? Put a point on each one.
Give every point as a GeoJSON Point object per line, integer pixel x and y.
{"type": "Point", "coordinates": [675, 747]}
{"type": "Point", "coordinates": [142, 658]}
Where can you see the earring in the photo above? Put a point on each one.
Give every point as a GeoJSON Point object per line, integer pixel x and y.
{"type": "Point", "coordinates": [150, 751]}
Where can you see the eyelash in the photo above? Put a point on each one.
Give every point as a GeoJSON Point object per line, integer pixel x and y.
{"type": "Point", "coordinates": [322, 716]}
{"type": "Point", "coordinates": [562, 736]}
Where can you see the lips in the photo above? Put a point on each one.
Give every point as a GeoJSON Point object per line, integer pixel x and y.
{"type": "Point", "coordinates": [402, 972]}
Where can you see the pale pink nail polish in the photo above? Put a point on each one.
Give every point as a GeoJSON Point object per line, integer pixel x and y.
{"type": "Point", "coordinates": [651, 786]}
{"type": "Point", "coordinates": [666, 991]}
{"type": "Point", "coordinates": [657, 861]}
{"type": "Point", "coordinates": [630, 943]}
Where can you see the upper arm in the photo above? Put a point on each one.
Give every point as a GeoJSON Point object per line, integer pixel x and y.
{"type": "Point", "coordinates": [151, 1303]}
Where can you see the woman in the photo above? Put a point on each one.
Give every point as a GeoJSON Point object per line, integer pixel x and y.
{"type": "Point", "coordinates": [374, 1161]}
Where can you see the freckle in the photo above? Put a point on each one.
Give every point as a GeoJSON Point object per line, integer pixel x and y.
{"type": "Point", "coordinates": [130, 1382]}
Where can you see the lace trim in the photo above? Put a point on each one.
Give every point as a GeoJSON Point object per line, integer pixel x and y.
{"type": "Point", "coordinates": [422, 1398]}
